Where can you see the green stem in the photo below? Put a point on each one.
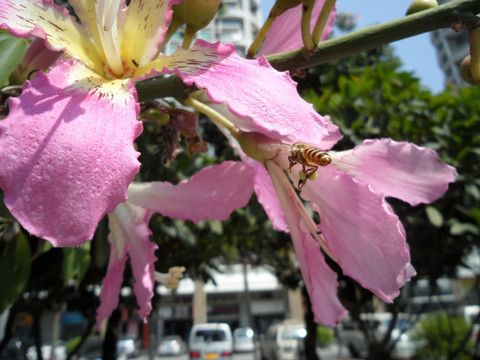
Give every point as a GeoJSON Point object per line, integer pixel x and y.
{"type": "Point", "coordinates": [444, 16]}
{"type": "Point", "coordinates": [322, 20]}
{"type": "Point", "coordinates": [171, 30]}
{"type": "Point", "coordinates": [160, 87]}
{"type": "Point", "coordinates": [188, 37]}
{"type": "Point", "coordinates": [217, 118]}
{"type": "Point", "coordinates": [307, 8]}
{"type": "Point", "coordinates": [253, 49]}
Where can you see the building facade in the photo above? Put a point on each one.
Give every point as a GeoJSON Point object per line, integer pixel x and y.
{"type": "Point", "coordinates": [240, 297]}
{"type": "Point", "coordinates": [452, 47]}
{"type": "Point", "coordinates": [236, 23]}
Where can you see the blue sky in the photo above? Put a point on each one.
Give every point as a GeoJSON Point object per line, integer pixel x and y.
{"type": "Point", "coordinates": [417, 53]}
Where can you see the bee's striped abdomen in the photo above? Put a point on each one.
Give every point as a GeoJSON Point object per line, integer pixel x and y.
{"type": "Point", "coordinates": [317, 156]}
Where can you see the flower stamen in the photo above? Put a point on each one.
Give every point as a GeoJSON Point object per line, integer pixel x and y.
{"type": "Point", "coordinates": [107, 24]}
{"type": "Point", "coordinates": [172, 278]}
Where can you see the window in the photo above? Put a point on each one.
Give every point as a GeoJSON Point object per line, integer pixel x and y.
{"type": "Point", "coordinates": [209, 336]}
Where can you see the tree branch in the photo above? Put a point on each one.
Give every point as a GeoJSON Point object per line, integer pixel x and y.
{"type": "Point", "coordinates": [456, 13]}
{"type": "Point", "coordinates": [444, 16]}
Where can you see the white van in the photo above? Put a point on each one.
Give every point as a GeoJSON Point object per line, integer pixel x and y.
{"type": "Point", "coordinates": [283, 340]}
{"type": "Point", "coordinates": [211, 341]}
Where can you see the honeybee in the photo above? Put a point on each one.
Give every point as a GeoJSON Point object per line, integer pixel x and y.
{"type": "Point", "coordinates": [310, 158]}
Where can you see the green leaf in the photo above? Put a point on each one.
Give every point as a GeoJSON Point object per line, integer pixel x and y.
{"type": "Point", "coordinates": [72, 344]}
{"type": "Point", "coordinates": [76, 262]}
{"type": "Point", "coordinates": [472, 189]}
{"type": "Point", "coordinates": [185, 233]}
{"type": "Point", "coordinates": [11, 52]}
{"type": "Point", "coordinates": [434, 215]}
{"type": "Point", "coordinates": [15, 266]}
{"type": "Point", "coordinates": [476, 214]}
{"type": "Point", "coordinates": [462, 228]}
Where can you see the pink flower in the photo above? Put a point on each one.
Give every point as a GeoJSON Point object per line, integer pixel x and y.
{"type": "Point", "coordinates": [212, 193]}
{"type": "Point", "coordinates": [67, 143]}
{"type": "Point", "coordinates": [357, 227]}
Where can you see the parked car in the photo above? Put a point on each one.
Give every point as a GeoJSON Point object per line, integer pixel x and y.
{"type": "Point", "coordinates": [127, 347]}
{"type": "Point", "coordinates": [283, 340]}
{"type": "Point", "coordinates": [91, 349]}
{"type": "Point", "coordinates": [243, 340]}
{"type": "Point", "coordinates": [60, 352]}
{"type": "Point", "coordinates": [211, 341]}
{"type": "Point", "coordinates": [405, 347]}
{"type": "Point", "coordinates": [14, 350]}
{"type": "Point", "coordinates": [351, 336]}
{"type": "Point", "coordinates": [171, 345]}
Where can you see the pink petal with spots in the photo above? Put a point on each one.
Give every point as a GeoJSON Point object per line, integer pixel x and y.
{"type": "Point", "coordinates": [255, 96]}
{"type": "Point", "coordinates": [320, 280]}
{"type": "Point", "coordinates": [129, 234]}
{"type": "Point", "coordinates": [285, 33]}
{"type": "Point", "coordinates": [212, 193]}
{"type": "Point", "coordinates": [145, 28]}
{"type": "Point", "coordinates": [398, 169]}
{"type": "Point", "coordinates": [67, 152]}
{"type": "Point", "coordinates": [44, 19]}
{"type": "Point", "coordinates": [361, 232]}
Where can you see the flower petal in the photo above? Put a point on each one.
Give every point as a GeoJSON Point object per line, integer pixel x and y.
{"type": "Point", "coordinates": [361, 232]}
{"type": "Point", "coordinates": [398, 169]}
{"type": "Point", "coordinates": [262, 185]}
{"type": "Point", "coordinates": [320, 280]}
{"type": "Point", "coordinates": [130, 227]}
{"type": "Point", "coordinates": [37, 57]}
{"type": "Point", "coordinates": [44, 19]}
{"type": "Point", "coordinates": [259, 98]}
{"type": "Point", "coordinates": [268, 197]}
{"type": "Point", "coordinates": [285, 33]}
{"type": "Point", "coordinates": [67, 152]}
{"type": "Point", "coordinates": [87, 13]}
{"type": "Point", "coordinates": [145, 28]}
{"type": "Point", "coordinates": [212, 193]}
{"type": "Point", "coordinates": [112, 282]}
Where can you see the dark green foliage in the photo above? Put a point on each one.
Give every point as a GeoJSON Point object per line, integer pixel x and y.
{"type": "Point", "coordinates": [15, 261]}
{"type": "Point", "coordinates": [11, 52]}
{"type": "Point", "coordinates": [324, 336]}
{"type": "Point", "coordinates": [444, 336]}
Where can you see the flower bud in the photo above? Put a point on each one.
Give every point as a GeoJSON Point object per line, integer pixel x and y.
{"type": "Point", "coordinates": [466, 73]}
{"type": "Point", "coordinates": [420, 5]}
{"type": "Point", "coordinates": [199, 13]}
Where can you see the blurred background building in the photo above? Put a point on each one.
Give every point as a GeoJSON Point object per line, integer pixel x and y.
{"type": "Point", "coordinates": [236, 295]}
{"type": "Point", "coordinates": [452, 47]}
{"type": "Point", "coordinates": [236, 23]}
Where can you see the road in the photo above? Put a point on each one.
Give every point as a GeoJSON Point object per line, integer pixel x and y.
{"type": "Point", "coordinates": [236, 356]}
{"type": "Point", "coordinates": [331, 353]}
